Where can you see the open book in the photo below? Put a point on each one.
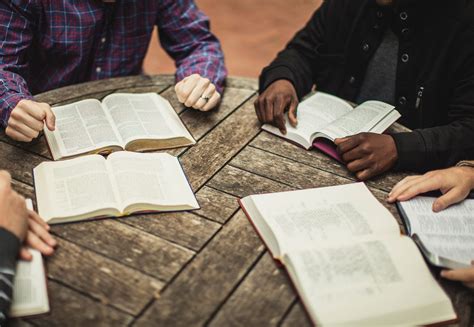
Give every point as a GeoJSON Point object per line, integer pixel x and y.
{"type": "Point", "coordinates": [345, 255]}
{"type": "Point", "coordinates": [124, 183]}
{"type": "Point", "coordinates": [122, 121]}
{"type": "Point", "coordinates": [322, 118]}
{"type": "Point", "coordinates": [446, 238]}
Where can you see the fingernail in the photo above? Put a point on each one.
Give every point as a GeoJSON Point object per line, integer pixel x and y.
{"type": "Point", "coordinates": [443, 273]}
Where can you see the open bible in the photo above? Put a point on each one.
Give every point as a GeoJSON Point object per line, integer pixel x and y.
{"type": "Point", "coordinates": [345, 255]}
{"type": "Point", "coordinates": [124, 183]}
{"type": "Point", "coordinates": [122, 121]}
{"type": "Point", "coordinates": [322, 118]}
{"type": "Point", "coordinates": [446, 238]}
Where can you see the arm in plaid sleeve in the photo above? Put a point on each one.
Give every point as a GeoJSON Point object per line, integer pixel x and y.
{"type": "Point", "coordinates": [185, 35]}
{"type": "Point", "coordinates": [9, 247]}
{"type": "Point", "coordinates": [15, 28]}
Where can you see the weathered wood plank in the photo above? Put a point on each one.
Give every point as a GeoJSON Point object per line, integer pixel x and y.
{"type": "Point", "coordinates": [297, 317]}
{"type": "Point", "coordinates": [183, 228]}
{"type": "Point", "coordinates": [317, 159]}
{"type": "Point", "coordinates": [216, 205]}
{"type": "Point", "coordinates": [241, 183]}
{"type": "Point", "coordinates": [220, 145]}
{"type": "Point", "coordinates": [19, 162]}
{"type": "Point", "coordinates": [129, 246]}
{"type": "Point", "coordinates": [101, 278]}
{"type": "Point", "coordinates": [201, 287]}
{"type": "Point", "coordinates": [461, 297]}
{"type": "Point", "coordinates": [199, 123]}
{"type": "Point", "coordinates": [260, 300]}
{"type": "Point", "coordinates": [70, 308]}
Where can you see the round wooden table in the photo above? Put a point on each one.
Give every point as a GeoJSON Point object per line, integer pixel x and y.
{"type": "Point", "coordinates": [191, 268]}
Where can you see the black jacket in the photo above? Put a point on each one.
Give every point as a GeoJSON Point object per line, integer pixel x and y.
{"type": "Point", "coordinates": [9, 247]}
{"type": "Point", "coordinates": [435, 75]}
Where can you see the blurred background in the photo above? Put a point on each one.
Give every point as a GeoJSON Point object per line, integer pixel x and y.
{"type": "Point", "coordinates": [251, 32]}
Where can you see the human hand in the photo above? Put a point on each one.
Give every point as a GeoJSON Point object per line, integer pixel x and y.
{"type": "Point", "coordinates": [13, 212]}
{"type": "Point", "coordinates": [27, 120]}
{"type": "Point", "coordinates": [274, 101]}
{"type": "Point", "coordinates": [455, 183]}
{"type": "Point", "coordinates": [465, 276]}
{"type": "Point", "coordinates": [368, 154]}
{"type": "Point", "coordinates": [197, 92]}
{"type": "Point", "coordinates": [37, 238]}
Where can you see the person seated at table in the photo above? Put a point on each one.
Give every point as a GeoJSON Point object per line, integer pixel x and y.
{"type": "Point", "coordinates": [50, 44]}
{"type": "Point", "coordinates": [456, 184]}
{"type": "Point", "coordinates": [416, 55]}
{"type": "Point", "coordinates": [19, 227]}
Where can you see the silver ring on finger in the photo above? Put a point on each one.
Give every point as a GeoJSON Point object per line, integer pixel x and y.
{"type": "Point", "coordinates": [205, 98]}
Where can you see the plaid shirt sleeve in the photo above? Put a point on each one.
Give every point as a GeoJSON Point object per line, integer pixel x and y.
{"type": "Point", "coordinates": [9, 247]}
{"type": "Point", "coordinates": [15, 40]}
{"type": "Point", "coordinates": [185, 35]}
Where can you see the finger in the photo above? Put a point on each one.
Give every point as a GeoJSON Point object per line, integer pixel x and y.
{"type": "Point", "coordinates": [455, 195]}
{"type": "Point", "coordinates": [340, 140]}
{"type": "Point", "coordinates": [348, 144]}
{"type": "Point", "coordinates": [20, 127]}
{"type": "Point", "coordinates": [41, 233]}
{"type": "Point", "coordinates": [366, 174]}
{"type": "Point", "coordinates": [188, 87]}
{"type": "Point", "coordinates": [207, 94]}
{"type": "Point", "coordinates": [50, 117]}
{"type": "Point", "coordinates": [25, 254]}
{"type": "Point", "coordinates": [256, 104]}
{"type": "Point", "coordinates": [213, 102]}
{"type": "Point", "coordinates": [278, 115]}
{"type": "Point", "coordinates": [418, 186]}
{"type": "Point", "coordinates": [29, 120]}
{"type": "Point", "coordinates": [197, 92]}
{"type": "Point", "coordinates": [268, 111]}
{"type": "Point", "coordinates": [358, 165]}
{"type": "Point", "coordinates": [292, 113]}
{"type": "Point", "coordinates": [36, 243]}
{"type": "Point", "coordinates": [33, 215]}
{"type": "Point", "coordinates": [399, 185]}
{"type": "Point", "coordinates": [353, 154]}
{"type": "Point", "coordinates": [465, 275]}
{"type": "Point", "coordinates": [5, 178]}
{"type": "Point", "coordinates": [17, 136]}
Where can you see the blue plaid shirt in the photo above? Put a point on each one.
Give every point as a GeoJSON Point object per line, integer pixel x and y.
{"type": "Point", "coordinates": [49, 44]}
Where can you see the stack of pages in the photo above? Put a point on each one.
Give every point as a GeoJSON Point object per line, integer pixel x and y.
{"type": "Point", "coordinates": [345, 255]}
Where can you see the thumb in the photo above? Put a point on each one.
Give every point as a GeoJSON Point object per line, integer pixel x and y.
{"type": "Point", "coordinates": [340, 140]}
{"type": "Point", "coordinates": [50, 118]}
{"type": "Point", "coordinates": [293, 113]}
{"type": "Point", "coordinates": [454, 195]}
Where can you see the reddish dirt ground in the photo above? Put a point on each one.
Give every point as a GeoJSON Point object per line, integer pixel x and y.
{"type": "Point", "coordinates": [251, 32]}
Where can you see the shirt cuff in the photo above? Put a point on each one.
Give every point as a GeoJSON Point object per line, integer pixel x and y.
{"type": "Point", "coordinates": [9, 249]}
{"type": "Point", "coordinates": [466, 164]}
{"type": "Point", "coordinates": [411, 150]}
{"type": "Point", "coordinates": [7, 103]}
{"type": "Point", "coordinates": [273, 74]}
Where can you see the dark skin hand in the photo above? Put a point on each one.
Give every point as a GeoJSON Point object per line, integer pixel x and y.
{"type": "Point", "coordinates": [368, 154]}
{"type": "Point", "coordinates": [272, 104]}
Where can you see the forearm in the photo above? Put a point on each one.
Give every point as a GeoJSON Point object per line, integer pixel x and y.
{"type": "Point", "coordinates": [12, 90]}
{"type": "Point", "coordinates": [9, 248]}
{"type": "Point", "coordinates": [435, 148]}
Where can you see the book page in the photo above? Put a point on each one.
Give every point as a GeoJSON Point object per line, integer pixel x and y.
{"type": "Point", "coordinates": [311, 217]}
{"type": "Point", "coordinates": [314, 113]}
{"type": "Point", "coordinates": [370, 282]}
{"type": "Point", "coordinates": [29, 293]}
{"type": "Point", "coordinates": [152, 178]}
{"type": "Point", "coordinates": [82, 127]}
{"type": "Point", "coordinates": [74, 187]}
{"type": "Point", "coordinates": [143, 116]}
{"type": "Point", "coordinates": [455, 220]}
{"type": "Point", "coordinates": [362, 119]}
{"type": "Point", "coordinates": [458, 248]}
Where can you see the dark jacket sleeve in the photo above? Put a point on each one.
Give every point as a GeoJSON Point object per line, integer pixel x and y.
{"type": "Point", "coordinates": [296, 63]}
{"type": "Point", "coordinates": [446, 145]}
{"type": "Point", "coordinates": [9, 248]}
